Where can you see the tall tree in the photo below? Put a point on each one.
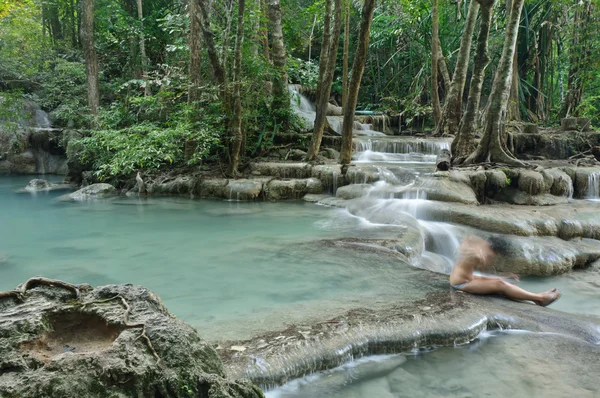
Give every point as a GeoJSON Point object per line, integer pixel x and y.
{"type": "Point", "coordinates": [329, 51]}
{"type": "Point", "coordinates": [280, 104]}
{"type": "Point", "coordinates": [579, 58]}
{"type": "Point", "coordinates": [195, 67]}
{"type": "Point", "coordinates": [346, 55]}
{"type": "Point", "coordinates": [464, 143]}
{"type": "Point", "coordinates": [89, 51]}
{"type": "Point", "coordinates": [452, 113]}
{"type": "Point", "coordinates": [435, 93]}
{"type": "Point", "coordinates": [211, 49]}
{"type": "Point", "coordinates": [140, 11]}
{"type": "Point", "coordinates": [492, 147]}
{"type": "Point", "coordinates": [514, 109]}
{"type": "Point", "coordinates": [358, 67]}
{"type": "Point", "coordinates": [235, 128]}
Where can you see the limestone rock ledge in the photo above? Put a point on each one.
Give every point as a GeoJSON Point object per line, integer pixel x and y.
{"type": "Point", "coordinates": [61, 340]}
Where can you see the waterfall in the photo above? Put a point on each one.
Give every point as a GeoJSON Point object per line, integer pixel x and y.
{"type": "Point", "coordinates": [593, 186]}
{"type": "Point", "coordinates": [302, 106]}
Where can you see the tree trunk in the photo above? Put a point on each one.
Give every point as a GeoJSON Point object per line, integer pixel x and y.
{"type": "Point", "coordinates": [235, 132]}
{"type": "Point", "coordinates": [514, 111]}
{"type": "Point", "coordinates": [326, 78]}
{"type": "Point", "coordinates": [281, 101]}
{"type": "Point", "coordinates": [346, 54]}
{"type": "Point", "coordinates": [147, 89]}
{"type": "Point", "coordinates": [73, 24]}
{"type": "Point", "coordinates": [492, 147]}
{"type": "Point", "coordinates": [264, 31]}
{"type": "Point", "coordinates": [435, 94]}
{"type": "Point", "coordinates": [578, 59]}
{"type": "Point", "coordinates": [195, 68]}
{"type": "Point", "coordinates": [464, 143]}
{"type": "Point", "coordinates": [89, 52]}
{"type": "Point", "coordinates": [358, 67]}
{"type": "Point", "coordinates": [453, 106]}
{"type": "Point", "coordinates": [225, 43]}
{"type": "Point", "coordinates": [211, 49]}
{"type": "Point", "coordinates": [443, 68]}
{"type": "Point", "coordinates": [54, 20]}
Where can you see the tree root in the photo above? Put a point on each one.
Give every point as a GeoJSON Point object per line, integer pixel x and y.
{"type": "Point", "coordinates": [17, 294]}
{"type": "Point", "coordinates": [21, 292]}
{"type": "Point", "coordinates": [126, 323]}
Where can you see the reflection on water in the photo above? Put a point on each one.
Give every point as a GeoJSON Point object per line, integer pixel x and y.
{"type": "Point", "coordinates": [498, 364]}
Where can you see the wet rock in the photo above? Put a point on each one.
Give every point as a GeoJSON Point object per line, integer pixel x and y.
{"type": "Point", "coordinates": [330, 175]}
{"type": "Point", "coordinates": [330, 153]}
{"type": "Point", "coordinates": [315, 198]}
{"type": "Point", "coordinates": [282, 170]}
{"type": "Point", "coordinates": [353, 191]}
{"type": "Point", "coordinates": [543, 255]}
{"type": "Point", "coordinates": [562, 185]}
{"type": "Point", "coordinates": [568, 124]}
{"type": "Point", "coordinates": [213, 188]}
{"type": "Point", "coordinates": [91, 192]}
{"type": "Point", "coordinates": [23, 163]}
{"type": "Point", "coordinates": [584, 124]}
{"type": "Point", "coordinates": [39, 185]}
{"type": "Point", "coordinates": [171, 185]}
{"type": "Point", "coordinates": [243, 189]}
{"type": "Point", "coordinates": [292, 189]}
{"type": "Point", "coordinates": [112, 341]}
{"type": "Point", "coordinates": [583, 177]}
{"type": "Point", "coordinates": [532, 182]}
{"type": "Point", "coordinates": [294, 154]}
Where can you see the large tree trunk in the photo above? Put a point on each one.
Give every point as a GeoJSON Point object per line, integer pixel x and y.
{"type": "Point", "coordinates": [147, 89]}
{"type": "Point", "coordinates": [89, 52]}
{"type": "Point", "coordinates": [435, 94]}
{"type": "Point", "coordinates": [492, 147]}
{"type": "Point", "coordinates": [358, 67]}
{"type": "Point", "coordinates": [346, 51]}
{"type": "Point", "coordinates": [329, 50]}
{"type": "Point", "coordinates": [195, 68]}
{"type": "Point", "coordinates": [281, 100]}
{"type": "Point", "coordinates": [235, 127]}
{"type": "Point", "coordinates": [453, 106]}
{"type": "Point", "coordinates": [464, 143]}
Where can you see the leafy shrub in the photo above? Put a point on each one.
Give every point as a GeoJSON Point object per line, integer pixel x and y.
{"type": "Point", "coordinates": [147, 146]}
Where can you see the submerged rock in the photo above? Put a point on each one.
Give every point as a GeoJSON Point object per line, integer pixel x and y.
{"type": "Point", "coordinates": [39, 185]}
{"type": "Point", "coordinates": [91, 192]}
{"type": "Point", "coordinates": [61, 340]}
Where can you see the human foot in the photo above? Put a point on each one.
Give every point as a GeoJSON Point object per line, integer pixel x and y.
{"type": "Point", "coordinates": [549, 297]}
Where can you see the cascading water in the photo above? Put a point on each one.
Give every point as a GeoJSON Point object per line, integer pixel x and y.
{"type": "Point", "coordinates": [398, 150]}
{"type": "Point", "coordinates": [593, 184]}
{"type": "Point", "coordinates": [305, 108]}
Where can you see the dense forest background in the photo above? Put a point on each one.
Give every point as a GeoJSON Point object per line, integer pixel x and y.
{"type": "Point", "coordinates": [155, 83]}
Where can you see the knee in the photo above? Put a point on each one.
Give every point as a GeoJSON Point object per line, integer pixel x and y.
{"type": "Point", "coordinates": [500, 285]}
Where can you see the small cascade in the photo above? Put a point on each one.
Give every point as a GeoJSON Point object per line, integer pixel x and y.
{"type": "Point", "coordinates": [305, 108]}
{"type": "Point", "coordinates": [302, 106]}
{"type": "Point", "coordinates": [398, 150]}
{"type": "Point", "coordinates": [593, 186]}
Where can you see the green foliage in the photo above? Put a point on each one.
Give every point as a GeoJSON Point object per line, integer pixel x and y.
{"type": "Point", "coordinates": [13, 116]}
{"type": "Point", "coordinates": [303, 72]}
{"type": "Point", "coordinates": [147, 146]}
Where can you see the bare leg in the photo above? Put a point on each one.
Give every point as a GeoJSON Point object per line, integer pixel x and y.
{"type": "Point", "coordinates": [499, 286]}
